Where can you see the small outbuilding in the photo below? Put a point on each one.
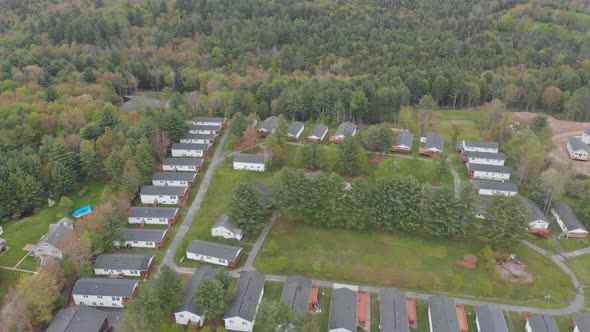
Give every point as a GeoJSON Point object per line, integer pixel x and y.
{"type": "Point", "coordinates": [250, 162]}
{"type": "Point", "coordinates": [294, 130]}
{"type": "Point", "coordinates": [569, 223]}
{"type": "Point", "coordinates": [226, 229]}
{"type": "Point", "coordinates": [182, 164]}
{"type": "Point", "coordinates": [577, 149]}
{"type": "Point", "coordinates": [318, 133]}
{"type": "Point", "coordinates": [214, 253]}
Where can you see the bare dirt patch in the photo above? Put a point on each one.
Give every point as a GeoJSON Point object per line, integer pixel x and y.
{"type": "Point", "coordinates": [561, 131]}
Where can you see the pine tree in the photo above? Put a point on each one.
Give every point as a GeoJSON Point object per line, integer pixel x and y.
{"type": "Point", "coordinates": [144, 161]}
{"type": "Point", "coordinates": [211, 297]}
{"type": "Point", "coordinates": [238, 125]}
{"type": "Point", "coordinates": [168, 287]}
{"type": "Point", "coordinates": [173, 122]}
{"type": "Point", "coordinates": [90, 165]}
{"type": "Point", "coordinates": [63, 180]}
{"type": "Point", "coordinates": [509, 221]}
{"type": "Point", "coordinates": [109, 117]}
{"type": "Point", "coordinates": [114, 165]}
{"type": "Point", "coordinates": [350, 163]}
{"type": "Point", "coordinates": [131, 179]}
{"type": "Point", "coordinates": [246, 209]}
{"type": "Point", "coordinates": [143, 313]}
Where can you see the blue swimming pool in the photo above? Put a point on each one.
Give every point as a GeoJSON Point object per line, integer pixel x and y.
{"type": "Point", "coordinates": [82, 211]}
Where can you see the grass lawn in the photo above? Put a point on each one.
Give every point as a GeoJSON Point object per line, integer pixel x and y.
{"type": "Point", "coordinates": [405, 261]}
{"type": "Point", "coordinates": [574, 244]}
{"type": "Point", "coordinates": [7, 279]}
{"type": "Point", "coordinates": [217, 203]}
{"type": "Point", "coordinates": [422, 313]}
{"type": "Point", "coordinates": [443, 121]}
{"type": "Point", "coordinates": [273, 290]}
{"type": "Point", "coordinates": [30, 263]}
{"type": "Point", "coordinates": [375, 319]}
{"type": "Point", "coordinates": [423, 171]}
{"type": "Point", "coordinates": [29, 230]}
{"type": "Point", "coordinates": [581, 267]}
{"type": "Point", "coordinates": [324, 316]}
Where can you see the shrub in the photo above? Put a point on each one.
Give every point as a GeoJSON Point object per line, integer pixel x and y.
{"type": "Point", "coordinates": [66, 202]}
{"type": "Point", "coordinates": [272, 248]}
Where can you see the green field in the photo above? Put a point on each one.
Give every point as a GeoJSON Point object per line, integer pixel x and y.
{"type": "Point", "coordinates": [19, 233]}
{"type": "Point", "coordinates": [415, 262]}
{"type": "Point", "coordinates": [8, 279]}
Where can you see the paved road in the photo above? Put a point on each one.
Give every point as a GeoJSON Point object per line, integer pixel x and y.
{"type": "Point", "coordinates": [196, 205]}
{"type": "Point", "coordinates": [577, 253]}
{"type": "Point", "coordinates": [456, 178]}
{"type": "Point", "coordinates": [254, 252]}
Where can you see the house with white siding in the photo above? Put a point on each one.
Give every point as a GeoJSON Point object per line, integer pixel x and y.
{"type": "Point", "coordinates": [318, 133]}
{"type": "Point", "coordinates": [537, 219]}
{"type": "Point", "coordinates": [104, 292]}
{"type": "Point", "coordinates": [241, 311]}
{"type": "Point", "coordinates": [214, 253]}
{"type": "Point", "coordinates": [80, 318]}
{"type": "Point", "coordinates": [166, 195]}
{"type": "Point", "coordinates": [183, 150]}
{"type": "Point", "coordinates": [541, 323]}
{"type": "Point", "coordinates": [178, 179]}
{"type": "Point", "coordinates": [199, 139]}
{"type": "Point", "coordinates": [189, 313]}
{"type": "Point", "coordinates": [163, 216]}
{"type": "Point", "coordinates": [479, 146]}
{"type": "Point", "coordinates": [442, 315]}
{"type": "Point", "coordinates": [205, 129]}
{"type": "Point", "coordinates": [226, 229]}
{"type": "Point", "coordinates": [577, 149]}
{"type": "Point", "coordinates": [141, 238]}
{"type": "Point", "coordinates": [433, 146]}
{"type": "Point", "coordinates": [294, 130]}
{"type": "Point", "coordinates": [404, 142]}
{"type": "Point", "coordinates": [586, 136]}
{"type": "Point", "coordinates": [484, 158]}
{"type": "Point", "coordinates": [581, 322]}
{"type": "Point", "coordinates": [209, 121]}
{"type": "Point", "coordinates": [128, 265]}
{"type": "Point", "coordinates": [567, 220]}
{"type": "Point", "coordinates": [49, 245]}
{"type": "Point", "coordinates": [488, 172]}
{"type": "Point", "coordinates": [489, 319]}
{"type": "Point", "coordinates": [344, 129]}
{"type": "Point", "coordinates": [268, 126]}
{"type": "Point", "coordinates": [182, 164]}
{"type": "Point", "coordinates": [486, 188]}
{"type": "Point", "coordinates": [250, 162]}
{"type": "Point", "coordinates": [343, 309]}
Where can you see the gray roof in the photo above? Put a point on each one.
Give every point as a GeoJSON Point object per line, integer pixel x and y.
{"type": "Point", "coordinates": [264, 192]}
{"type": "Point", "coordinates": [443, 314]}
{"type": "Point", "coordinates": [163, 190]}
{"type": "Point", "coordinates": [205, 127]}
{"type": "Point", "coordinates": [435, 141]}
{"type": "Point", "coordinates": [535, 212]}
{"type": "Point", "coordinates": [139, 262]}
{"type": "Point", "coordinates": [583, 320]}
{"type": "Point", "coordinates": [577, 143]}
{"type": "Point", "coordinates": [319, 130]}
{"type": "Point", "coordinates": [297, 293]}
{"type": "Point", "coordinates": [77, 318]}
{"type": "Point", "coordinates": [489, 168]}
{"type": "Point", "coordinates": [250, 158]}
{"type": "Point", "coordinates": [105, 287]}
{"type": "Point", "coordinates": [183, 161]}
{"type": "Point", "coordinates": [345, 128]}
{"type": "Point", "coordinates": [209, 119]}
{"type": "Point", "coordinates": [343, 309]}
{"type": "Point", "coordinates": [405, 138]}
{"type": "Point", "coordinates": [132, 103]}
{"type": "Point", "coordinates": [481, 144]}
{"type": "Point", "coordinates": [587, 131]}
{"type": "Point", "coordinates": [58, 231]}
{"type": "Point", "coordinates": [567, 215]}
{"type": "Point", "coordinates": [144, 234]}
{"type": "Point", "coordinates": [484, 155]}
{"type": "Point", "coordinates": [199, 136]}
{"type": "Point", "coordinates": [152, 212]}
{"type": "Point", "coordinates": [294, 128]}
{"type": "Point", "coordinates": [190, 146]}
{"type": "Point", "coordinates": [542, 323]}
{"type": "Point", "coordinates": [495, 185]}
{"type": "Point", "coordinates": [214, 249]}
{"type": "Point", "coordinates": [269, 123]}
{"type": "Point", "coordinates": [490, 319]}
{"type": "Point", "coordinates": [224, 221]}
{"type": "Point", "coordinates": [188, 301]}
{"type": "Point", "coordinates": [393, 310]}
{"type": "Point", "coordinates": [174, 176]}
{"type": "Point", "coordinates": [245, 300]}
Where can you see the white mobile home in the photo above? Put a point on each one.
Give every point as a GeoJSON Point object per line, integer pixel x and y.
{"type": "Point", "coordinates": [268, 126]}
{"type": "Point", "coordinates": [569, 223]}
{"type": "Point", "coordinates": [479, 146]}
{"type": "Point", "coordinates": [128, 265]}
{"type": "Point", "coordinates": [104, 292]}
{"type": "Point", "coordinates": [226, 229]}
{"type": "Point", "coordinates": [183, 150]}
{"type": "Point", "coordinates": [205, 129]}
{"type": "Point", "coordinates": [209, 121]}
{"type": "Point", "coordinates": [537, 219]}
{"type": "Point", "coordinates": [182, 164]}
{"type": "Point", "coordinates": [164, 216]}
{"type": "Point", "coordinates": [199, 139]}
{"type": "Point", "coordinates": [494, 187]}
{"type": "Point", "coordinates": [577, 149]}
{"type": "Point", "coordinates": [50, 244]}
{"type": "Point", "coordinates": [242, 308]}
{"type": "Point", "coordinates": [189, 313]}
{"type": "Point", "coordinates": [484, 158]}
{"type": "Point", "coordinates": [318, 133]}
{"type": "Point", "coordinates": [141, 238]}
{"type": "Point", "coordinates": [250, 162]}
{"type": "Point", "coordinates": [213, 252]}
{"type": "Point", "coordinates": [178, 179]}
{"type": "Point", "coordinates": [488, 172]}
{"type": "Point", "coordinates": [541, 323]}
{"type": "Point", "coordinates": [294, 131]}
{"type": "Point", "coordinates": [167, 195]}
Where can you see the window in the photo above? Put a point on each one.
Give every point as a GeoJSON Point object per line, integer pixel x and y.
{"type": "Point", "coordinates": [85, 296]}
{"type": "Point", "coordinates": [231, 321]}
{"type": "Point", "coordinates": [208, 257]}
{"type": "Point", "coordinates": [82, 303]}
{"type": "Point", "coordinates": [99, 297]}
{"type": "Point", "coordinates": [244, 323]}
{"type": "Point", "coordinates": [181, 315]}
{"type": "Point", "coordinates": [116, 298]}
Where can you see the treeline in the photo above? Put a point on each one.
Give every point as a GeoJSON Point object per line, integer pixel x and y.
{"type": "Point", "coordinates": [398, 203]}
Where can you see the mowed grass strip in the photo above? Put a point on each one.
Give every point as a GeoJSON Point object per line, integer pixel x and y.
{"type": "Point", "coordinates": [406, 261]}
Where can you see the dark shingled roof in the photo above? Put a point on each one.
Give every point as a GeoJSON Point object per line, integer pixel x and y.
{"type": "Point", "coordinates": [190, 146]}
{"type": "Point", "coordinates": [163, 190]}
{"type": "Point", "coordinates": [189, 297]}
{"type": "Point", "coordinates": [484, 155]}
{"type": "Point", "coordinates": [245, 300]}
{"type": "Point", "coordinates": [318, 131]}
{"type": "Point", "coordinates": [214, 128]}
{"type": "Point", "coordinates": [294, 128]}
{"type": "Point", "coordinates": [264, 192]}
{"type": "Point", "coordinates": [269, 123]}
{"type": "Point", "coordinates": [577, 144]}
{"type": "Point", "coordinates": [209, 119]}
{"type": "Point", "coordinates": [133, 103]}
{"type": "Point", "coordinates": [435, 141]}
{"type": "Point", "coordinates": [105, 287]}
{"type": "Point", "coordinates": [489, 168]}
{"type": "Point", "coordinates": [587, 131]}
{"type": "Point", "coordinates": [405, 138]}
{"type": "Point", "coordinates": [535, 213]}
{"type": "Point", "coordinates": [495, 185]}
{"type": "Point", "coordinates": [542, 323]}
{"type": "Point", "coordinates": [443, 314]}
{"type": "Point", "coordinates": [250, 158]}
{"type": "Point", "coordinates": [214, 249]}
{"type": "Point", "coordinates": [567, 215]}
{"type": "Point", "coordinates": [144, 234]}
{"type": "Point", "coordinates": [152, 212]}
{"type": "Point", "coordinates": [490, 319]}
{"type": "Point", "coordinates": [345, 128]}
{"type": "Point", "coordinates": [209, 137]}
{"type": "Point", "coordinates": [297, 293]}
{"type": "Point", "coordinates": [343, 309]}
{"type": "Point", "coordinates": [77, 318]}
{"type": "Point", "coordinates": [139, 262]}
{"type": "Point", "coordinates": [174, 176]}
{"type": "Point", "coordinates": [481, 144]}
{"type": "Point", "coordinates": [183, 162]}
{"type": "Point", "coordinates": [582, 321]}
{"type": "Point", "coordinates": [58, 231]}
{"type": "Point", "coordinates": [393, 310]}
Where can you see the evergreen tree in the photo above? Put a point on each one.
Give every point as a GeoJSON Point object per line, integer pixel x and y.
{"type": "Point", "coordinates": [322, 204]}
{"type": "Point", "coordinates": [396, 203]}
{"type": "Point", "coordinates": [312, 155]}
{"type": "Point", "coordinates": [131, 179]}
{"type": "Point", "coordinates": [90, 165]}
{"type": "Point", "coordinates": [144, 161]}
{"type": "Point", "coordinates": [510, 220]}
{"type": "Point", "coordinates": [168, 287]}
{"type": "Point", "coordinates": [211, 297]}
{"type": "Point", "coordinates": [143, 313]}
{"type": "Point", "coordinates": [357, 205]}
{"type": "Point", "coordinates": [109, 117]}
{"type": "Point", "coordinates": [238, 125]}
{"type": "Point", "coordinates": [114, 165]}
{"type": "Point", "coordinates": [63, 180]}
{"type": "Point", "coordinates": [173, 122]}
{"type": "Point", "coordinates": [350, 163]}
{"type": "Point", "coordinates": [246, 209]}
{"type": "Point", "coordinates": [274, 316]}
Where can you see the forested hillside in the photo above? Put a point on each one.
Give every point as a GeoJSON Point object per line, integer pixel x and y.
{"type": "Point", "coordinates": [64, 66]}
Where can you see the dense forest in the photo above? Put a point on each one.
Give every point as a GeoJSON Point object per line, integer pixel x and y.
{"type": "Point", "coordinates": [65, 65]}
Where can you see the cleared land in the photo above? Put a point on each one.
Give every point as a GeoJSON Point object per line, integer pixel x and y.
{"type": "Point", "coordinates": [405, 261]}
